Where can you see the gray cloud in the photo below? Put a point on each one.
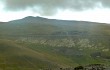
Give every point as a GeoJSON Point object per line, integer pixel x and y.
{"type": "Point", "coordinates": [49, 7]}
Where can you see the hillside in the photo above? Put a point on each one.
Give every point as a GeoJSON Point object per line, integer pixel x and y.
{"type": "Point", "coordinates": [17, 57]}
{"type": "Point", "coordinates": [34, 43]}
{"type": "Point", "coordinates": [42, 26]}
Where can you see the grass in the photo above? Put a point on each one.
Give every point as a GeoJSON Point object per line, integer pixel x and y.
{"type": "Point", "coordinates": [20, 51]}
{"type": "Point", "coordinates": [20, 55]}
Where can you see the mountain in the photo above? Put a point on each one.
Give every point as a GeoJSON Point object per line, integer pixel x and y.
{"type": "Point", "coordinates": [44, 26]}
{"type": "Point", "coordinates": [36, 43]}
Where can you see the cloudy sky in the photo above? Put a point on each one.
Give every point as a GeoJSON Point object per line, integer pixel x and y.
{"type": "Point", "coordinates": [86, 10]}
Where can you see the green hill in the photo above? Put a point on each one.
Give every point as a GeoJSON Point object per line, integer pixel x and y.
{"type": "Point", "coordinates": [43, 26]}
{"type": "Point", "coordinates": [34, 43]}
{"type": "Point", "coordinates": [17, 57]}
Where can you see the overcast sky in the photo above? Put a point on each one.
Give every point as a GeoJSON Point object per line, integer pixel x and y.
{"type": "Point", "coordinates": [86, 10]}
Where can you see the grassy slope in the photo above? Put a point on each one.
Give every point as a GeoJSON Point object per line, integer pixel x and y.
{"type": "Point", "coordinates": [46, 26]}
{"type": "Point", "coordinates": [83, 59]}
{"type": "Point", "coordinates": [19, 56]}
